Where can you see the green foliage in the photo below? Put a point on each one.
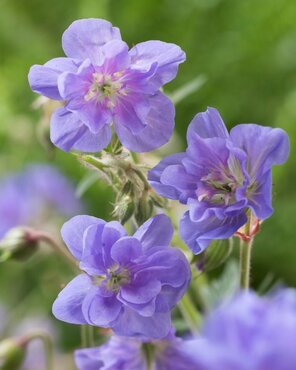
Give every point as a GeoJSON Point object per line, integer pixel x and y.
{"type": "Point", "coordinates": [240, 59]}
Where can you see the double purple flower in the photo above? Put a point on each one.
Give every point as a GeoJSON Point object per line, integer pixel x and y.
{"type": "Point", "coordinates": [130, 283]}
{"type": "Point", "coordinates": [220, 176]}
{"type": "Point", "coordinates": [102, 82]}
{"type": "Point", "coordinates": [250, 333]}
{"type": "Point", "coordinates": [120, 353]}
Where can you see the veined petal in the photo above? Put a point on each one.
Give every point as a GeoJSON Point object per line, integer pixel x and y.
{"type": "Point", "coordinates": [115, 57]}
{"type": "Point", "coordinates": [154, 176]}
{"type": "Point", "coordinates": [68, 132]}
{"type": "Point", "coordinates": [130, 323]}
{"type": "Point", "coordinates": [72, 85]}
{"type": "Point", "coordinates": [112, 232]}
{"type": "Point", "coordinates": [43, 79]}
{"type": "Point", "coordinates": [259, 200]}
{"type": "Point", "coordinates": [84, 38]}
{"type": "Point", "coordinates": [177, 175]}
{"type": "Point", "coordinates": [167, 56]}
{"type": "Point", "coordinates": [92, 255]}
{"type": "Point", "coordinates": [99, 310]}
{"type": "Point", "coordinates": [159, 125]}
{"type": "Point", "coordinates": [127, 118]}
{"type": "Point", "coordinates": [74, 88]}
{"type": "Point", "coordinates": [140, 292]}
{"type": "Point", "coordinates": [126, 249]}
{"type": "Point", "coordinates": [207, 124]}
{"type": "Point", "coordinates": [68, 305]}
{"type": "Point", "coordinates": [157, 231]}
{"type": "Point", "coordinates": [73, 232]}
{"type": "Point", "coordinates": [198, 235]}
{"type": "Point", "coordinates": [265, 146]}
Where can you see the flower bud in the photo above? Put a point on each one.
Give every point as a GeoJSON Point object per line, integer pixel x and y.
{"type": "Point", "coordinates": [144, 209]}
{"type": "Point", "coordinates": [214, 256]}
{"type": "Point", "coordinates": [12, 354]}
{"type": "Point", "coordinates": [19, 244]}
{"type": "Point", "coordinates": [124, 209]}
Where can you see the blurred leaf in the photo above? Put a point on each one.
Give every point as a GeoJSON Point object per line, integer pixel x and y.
{"type": "Point", "coordinates": [188, 89]}
{"type": "Point", "coordinates": [222, 288]}
{"type": "Point", "coordinates": [85, 183]}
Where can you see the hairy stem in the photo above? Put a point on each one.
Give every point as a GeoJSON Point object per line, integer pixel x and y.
{"type": "Point", "coordinates": [56, 246]}
{"type": "Point", "coordinates": [245, 263]}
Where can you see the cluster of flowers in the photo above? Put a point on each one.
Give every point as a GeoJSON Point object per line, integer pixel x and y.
{"type": "Point", "coordinates": [247, 333]}
{"type": "Point", "coordinates": [131, 283]}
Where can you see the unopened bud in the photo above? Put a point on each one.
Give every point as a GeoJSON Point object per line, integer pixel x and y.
{"type": "Point", "coordinates": [159, 201]}
{"type": "Point", "coordinates": [144, 209]}
{"type": "Point", "coordinates": [19, 243]}
{"type": "Point", "coordinates": [124, 209]}
{"type": "Point", "coordinates": [214, 256]}
{"type": "Point", "coordinates": [12, 354]}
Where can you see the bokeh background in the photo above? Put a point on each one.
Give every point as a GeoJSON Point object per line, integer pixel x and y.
{"type": "Point", "coordinates": [243, 53]}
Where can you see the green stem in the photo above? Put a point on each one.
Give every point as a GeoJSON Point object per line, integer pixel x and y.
{"type": "Point", "coordinates": [245, 255]}
{"type": "Point", "coordinates": [83, 334]}
{"type": "Point", "coordinates": [47, 343]}
{"type": "Point", "coordinates": [91, 336]}
{"type": "Point", "coordinates": [190, 313]}
{"type": "Point", "coordinates": [57, 247]}
{"type": "Point", "coordinates": [245, 263]}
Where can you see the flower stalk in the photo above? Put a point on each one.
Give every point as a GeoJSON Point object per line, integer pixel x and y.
{"type": "Point", "coordinates": [47, 344]}
{"type": "Point", "coordinates": [246, 243]}
{"type": "Point", "coordinates": [190, 313]}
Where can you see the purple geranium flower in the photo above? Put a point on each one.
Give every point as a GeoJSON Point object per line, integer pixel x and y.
{"type": "Point", "coordinates": [250, 333]}
{"type": "Point", "coordinates": [130, 282]}
{"type": "Point", "coordinates": [24, 196]}
{"type": "Point", "coordinates": [121, 353]}
{"type": "Point", "coordinates": [102, 82]}
{"type": "Point", "coordinates": [220, 176]}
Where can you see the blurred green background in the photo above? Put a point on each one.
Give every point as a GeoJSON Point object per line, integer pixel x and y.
{"type": "Point", "coordinates": [246, 51]}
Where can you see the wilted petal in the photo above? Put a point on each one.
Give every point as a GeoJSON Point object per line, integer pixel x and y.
{"type": "Point", "coordinates": [43, 79]}
{"type": "Point", "coordinates": [207, 124]}
{"type": "Point", "coordinates": [167, 56]}
{"type": "Point", "coordinates": [157, 231]}
{"type": "Point", "coordinates": [68, 132]}
{"type": "Point", "coordinates": [68, 305]}
{"type": "Point", "coordinates": [73, 233]}
{"type": "Point", "coordinates": [265, 146]}
{"type": "Point", "coordinates": [158, 129]}
{"type": "Point", "coordinates": [84, 38]}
